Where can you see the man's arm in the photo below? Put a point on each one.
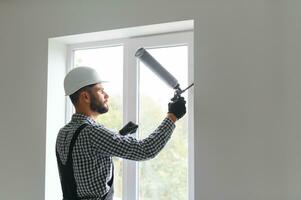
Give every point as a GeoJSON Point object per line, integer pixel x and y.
{"type": "Point", "coordinates": [104, 141]}
{"type": "Point", "coordinates": [172, 117]}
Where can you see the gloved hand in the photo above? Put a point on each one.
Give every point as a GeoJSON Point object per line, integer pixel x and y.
{"type": "Point", "coordinates": [177, 107]}
{"type": "Point", "coordinates": [129, 128]}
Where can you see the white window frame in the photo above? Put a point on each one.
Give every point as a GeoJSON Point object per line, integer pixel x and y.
{"type": "Point", "coordinates": [130, 96]}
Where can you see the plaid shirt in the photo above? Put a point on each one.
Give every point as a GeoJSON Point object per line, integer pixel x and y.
{"type": "Point", "coordinates": [95, 147]}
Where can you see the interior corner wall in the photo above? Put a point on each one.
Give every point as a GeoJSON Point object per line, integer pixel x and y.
{"type": "Point", "coordinates": [246, 119]}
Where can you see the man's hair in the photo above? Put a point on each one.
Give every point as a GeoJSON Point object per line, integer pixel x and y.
{"type": "Point", "coordinates": [75, 96]}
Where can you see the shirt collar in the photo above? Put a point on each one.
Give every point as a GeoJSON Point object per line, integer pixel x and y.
{"type": "Point", "coordinates": [80, 117]}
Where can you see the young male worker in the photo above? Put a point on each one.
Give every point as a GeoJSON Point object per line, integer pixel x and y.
{"type": "Point", "coordinates": [84, 148]}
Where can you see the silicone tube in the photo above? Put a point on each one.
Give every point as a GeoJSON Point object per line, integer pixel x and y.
{"type": "Point", "coordinates": [157, 68]}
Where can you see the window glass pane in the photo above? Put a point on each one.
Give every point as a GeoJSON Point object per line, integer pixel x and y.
{"type": "Point", "coordinates": [108, 61]}
{"type": "Point", "coordinates": [166, 176]}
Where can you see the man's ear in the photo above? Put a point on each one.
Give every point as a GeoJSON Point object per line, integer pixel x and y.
{"type": "Point", "coordinates": [85, 96]}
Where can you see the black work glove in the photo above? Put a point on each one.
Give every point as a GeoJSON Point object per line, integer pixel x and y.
{"type": "Point", "coordinates": [177, 107]}
{"type": "Point", "coordinates": [129, 128]}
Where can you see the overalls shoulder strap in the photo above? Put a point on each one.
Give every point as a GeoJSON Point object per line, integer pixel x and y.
{"type": "Point", "coordinates": [66, 171]}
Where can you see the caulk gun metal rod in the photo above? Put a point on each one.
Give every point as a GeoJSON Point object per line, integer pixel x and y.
{"type": "Point", "coordinates": [187, 88]}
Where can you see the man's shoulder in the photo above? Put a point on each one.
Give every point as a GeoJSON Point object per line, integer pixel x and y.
{"type": "Point", "coordinates": [70, 127]}
{"type": "Point", "coordinates": [66, 133]}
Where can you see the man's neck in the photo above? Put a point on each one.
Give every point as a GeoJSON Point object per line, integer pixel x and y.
{"type": "Point", "coordinates": [94, 116]}
{"type": "Point", "coordinates": [90, 114]}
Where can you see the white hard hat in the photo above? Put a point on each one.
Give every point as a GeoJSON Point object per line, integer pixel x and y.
{"type": "Point", "coordinates": [80, 77]}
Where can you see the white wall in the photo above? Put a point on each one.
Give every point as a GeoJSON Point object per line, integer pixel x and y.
{"type": "Point", "coordinates": [247, 89]}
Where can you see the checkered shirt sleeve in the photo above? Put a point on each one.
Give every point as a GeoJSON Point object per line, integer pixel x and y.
{"type": "Point", "coordinates": [106, 142]}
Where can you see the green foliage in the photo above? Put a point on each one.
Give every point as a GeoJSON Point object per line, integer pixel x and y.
{"type": "Point", "coordinates": [164, 177]}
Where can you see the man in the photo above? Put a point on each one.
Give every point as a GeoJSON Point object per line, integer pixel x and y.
{"type": "Point", "coordinates": [84, 148]}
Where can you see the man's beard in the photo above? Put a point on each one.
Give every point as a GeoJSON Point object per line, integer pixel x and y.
{"type": "Point", "coordinates": [98, 106]}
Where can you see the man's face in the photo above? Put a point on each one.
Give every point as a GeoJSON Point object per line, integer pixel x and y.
{"type": "Point", "coordinates": [99, 99]}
